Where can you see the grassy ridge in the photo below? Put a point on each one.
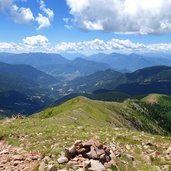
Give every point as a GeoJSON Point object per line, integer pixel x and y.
{"type": "Point", "coordinates": [133, 114]}
{"type": "Point", "coordinates": [56, 128]}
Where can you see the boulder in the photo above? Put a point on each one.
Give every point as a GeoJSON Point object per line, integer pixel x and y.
{"type": "Point", "coordinates": [62, 160]}
{"type": "Point", "coordinates": [96, 166]}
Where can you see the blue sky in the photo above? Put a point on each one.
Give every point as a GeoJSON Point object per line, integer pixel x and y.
{"type": "Point", "coordinates": [86, 26]}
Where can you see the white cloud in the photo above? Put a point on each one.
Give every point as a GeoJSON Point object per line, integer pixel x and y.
{"type": "Point", "coordinates": [38, 40]}
{"type": "Point", "coordinates": [24, 15]}
{"type": "Point", "coordinates": [97, 45]}
{"type": "Point", "coordinates": [12, 47]}
{"type": "Point", "coordinates": [21, 15]}
{"type": "Point", "coordinates": [46, 10]}
{"type": "Point", "coordinates": [43, 21]}
{"type": "Point", "coordinates": [28, 44]}
{"type": "Point", "coordinates": [41, 43]}
{"type": "Point", "coordinates": [123, 16]}
{"type": "Point", "coordinates": [18, 14]}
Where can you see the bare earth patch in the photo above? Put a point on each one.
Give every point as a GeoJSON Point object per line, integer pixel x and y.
{"type": "Point", "coordinates": [16, 159]}
{"type": "Point", "coordinates": [153, 98]}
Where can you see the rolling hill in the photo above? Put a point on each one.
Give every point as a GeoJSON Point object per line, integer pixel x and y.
{"type": "Point", "coordinates": [148, 80]}
{"type": "Point", "coordinates": [92, 82]}
{"type": "Point", "coordinates": [139, 115]}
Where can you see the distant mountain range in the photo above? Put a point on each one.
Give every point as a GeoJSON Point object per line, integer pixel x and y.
{"type": "Point", "coordinates": [130, 62]}
{"type": "Point", "coordinates": [31, 81]}
{"type": "Point", "coordinates": [55, 64]}
{"type": "Point", "coordinates": [155, 79]}
{"type": "Point", "coordinates": [74, 65]}
{"type": "Point", "coordinates": [73, 69]}
{"type": "Point", "coordinates": [33, 59]}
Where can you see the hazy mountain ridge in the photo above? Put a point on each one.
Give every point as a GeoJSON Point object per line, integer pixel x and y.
{"type": "Point", "coordinates": [55, 64]}
{"type": "Point", "coordinates": [130, 62]}
{"type": "Point", "coordinates": [73, 69]}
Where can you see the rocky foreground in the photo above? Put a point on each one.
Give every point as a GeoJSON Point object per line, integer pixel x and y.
{"type": "Point", "coordinates": [95, 156]}
{"type": "Point", "coordinates": [16, 159]}
{"type": "Point", "coordinates": [89, 155]}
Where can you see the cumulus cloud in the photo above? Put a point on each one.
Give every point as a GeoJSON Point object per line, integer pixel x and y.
{"type": "Point", "coordinates": [38, 40]}
{"type": "Point", "coordinates": [21, 15]}
{"type": "Point", "coordinates": [97, 45]}
{"type": "Point", "coordinates": [122, 16]}
{"type": "Point", "coordinates": [41, 43]}
{"type": "Point", "coordinates": [44, 20]}
{"type": "Point", "coordinates": [12, 47]}
{"type": "Point", "coordinates": [24, 15]}
{"type": "Point", "coordinates": [18, 14]}
{"type": "Point", "coordinates": [28, 44]}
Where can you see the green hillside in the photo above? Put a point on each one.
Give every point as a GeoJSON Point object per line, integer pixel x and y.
{"type": "Point", "coordinates": [156, 79]}
{"type": "Point", "coordinates": [132, 114]}
{"type": "Point", "coordinates": [56, 128]}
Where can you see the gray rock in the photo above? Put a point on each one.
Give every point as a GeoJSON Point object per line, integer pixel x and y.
{"type": "Point", "coordinates": [87, 143]}
{"type": "Point", "coordinates": [62, 160]}
{"type": "Point", "coordinates": [96, 166]}
{"type": "Point", "coordinates": [51, 168]}
{"type": "Point", "coordinates": [72, 150]}
{"type": "Point", "coordinates": [92, 154]}
{"type": "Point", "coordinates": [46, 159]}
